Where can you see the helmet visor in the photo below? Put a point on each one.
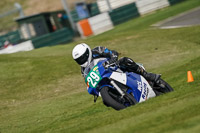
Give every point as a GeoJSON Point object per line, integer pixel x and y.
{"type": "Point", "coordinates": [83, 58]}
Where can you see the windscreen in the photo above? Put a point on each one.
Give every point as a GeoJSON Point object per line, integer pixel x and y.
{"type": "Point", "coordinates": [91, 65]}
{"type": "Point", "coordinates": [88, 68]}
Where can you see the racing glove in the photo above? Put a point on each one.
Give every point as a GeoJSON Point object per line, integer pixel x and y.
{"type": "Point", "coordinates": [113, 57]}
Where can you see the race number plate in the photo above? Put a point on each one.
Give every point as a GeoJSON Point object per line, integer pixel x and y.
{"type": "Point", "coordinates": [93, 78]}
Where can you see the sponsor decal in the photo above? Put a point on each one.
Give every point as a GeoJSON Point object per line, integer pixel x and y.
{"type": "Point", "coordinates": [95, 68]}
{"type": "Point", "coordinates": [142, 87]}
{"type": "Point", "coordinates": [145, 92]}
{"type": "Point", "coordinates": [88, 84]}
{"type": "Point", "coordinates": [139, 86]}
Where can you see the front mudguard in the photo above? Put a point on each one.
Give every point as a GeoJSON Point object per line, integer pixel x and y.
{"type": "Point", "coordinates": [92, 91]}
{"type": "Point", "coordinates": [96, 92]}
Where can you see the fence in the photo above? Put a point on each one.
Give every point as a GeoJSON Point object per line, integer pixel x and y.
{"type": "Point", "coordinates": [62, 36]}
{"type": "Point", "coordinates": [172, 2]}
{"type": "Point", "coordinates": [114, 4]}
{"type": "Point", "coordinates": [13, 37]}
{"type": "Point", "coordinates": [124, 13]}
{"type": "Point", "coordinates": [100, 23]}
{"type": "Point", "coordinates": [146, 6]}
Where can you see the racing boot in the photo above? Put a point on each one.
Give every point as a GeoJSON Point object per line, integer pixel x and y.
{"type": "Point", "coordinates": [127, 64]}
{"type": "Point", "coordinates": [149, 76]}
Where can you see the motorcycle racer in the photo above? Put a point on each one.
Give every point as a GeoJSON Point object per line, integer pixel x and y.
{"type": "Point", "coordinates": [83, 55]}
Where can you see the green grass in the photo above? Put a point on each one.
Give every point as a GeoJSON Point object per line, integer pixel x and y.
{"type": "Point", "coordinates": [43, 91]}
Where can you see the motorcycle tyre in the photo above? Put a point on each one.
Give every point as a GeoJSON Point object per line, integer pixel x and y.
{"type": "Point", "coordinates": [164, 90]}
{"type": "Point", "coordinates": [111, 102]}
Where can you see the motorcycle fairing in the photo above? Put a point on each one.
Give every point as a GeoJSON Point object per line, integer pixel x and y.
{"type": "Point", "coordinates": [120, 77]}
{"type": "Point", "coordinates": [140, 87]}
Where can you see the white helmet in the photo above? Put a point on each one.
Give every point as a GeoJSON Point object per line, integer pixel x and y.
{"type": "Point", "coordinates": [82, 54]}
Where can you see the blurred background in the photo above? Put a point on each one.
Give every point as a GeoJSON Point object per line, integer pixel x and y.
{"type": "Point", "coordinates": [51, 22]}
{"type": "Point", "coordinates": [31, 7]}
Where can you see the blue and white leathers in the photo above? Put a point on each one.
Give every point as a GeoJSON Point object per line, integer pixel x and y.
{"type": "Point", "coordinates": [96, 77]}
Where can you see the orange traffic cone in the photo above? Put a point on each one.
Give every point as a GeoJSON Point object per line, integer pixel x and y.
{"type": "Point", "coordinates": [189, 76]}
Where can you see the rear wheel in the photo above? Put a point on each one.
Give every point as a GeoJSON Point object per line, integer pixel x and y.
{"type": "Point", "coordinates": [112, 98]}
{"type": "Point", "coordinates": [162, 88]}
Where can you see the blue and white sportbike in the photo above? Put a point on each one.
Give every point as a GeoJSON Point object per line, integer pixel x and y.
{"type": "Point", "coordinates": [120, 89]}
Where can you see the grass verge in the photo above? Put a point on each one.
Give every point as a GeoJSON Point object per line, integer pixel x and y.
{"type": "Point", "coordinates": [42, 90]}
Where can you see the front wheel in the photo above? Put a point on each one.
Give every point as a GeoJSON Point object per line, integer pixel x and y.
{"type": "Point", "coordinates": [112, 98]}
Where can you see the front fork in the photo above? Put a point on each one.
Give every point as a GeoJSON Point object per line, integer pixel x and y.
{"type": "Point", "coordinates": [126, 98]}
{"type": "Point", "coordinates": [117, 88]}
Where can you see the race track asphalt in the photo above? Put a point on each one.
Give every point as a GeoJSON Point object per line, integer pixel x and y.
{"type": "Point", "coordinates": [189, 18]}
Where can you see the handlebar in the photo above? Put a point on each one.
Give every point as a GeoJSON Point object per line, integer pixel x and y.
{"type": "Point", "coordinates": [106, 64]}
